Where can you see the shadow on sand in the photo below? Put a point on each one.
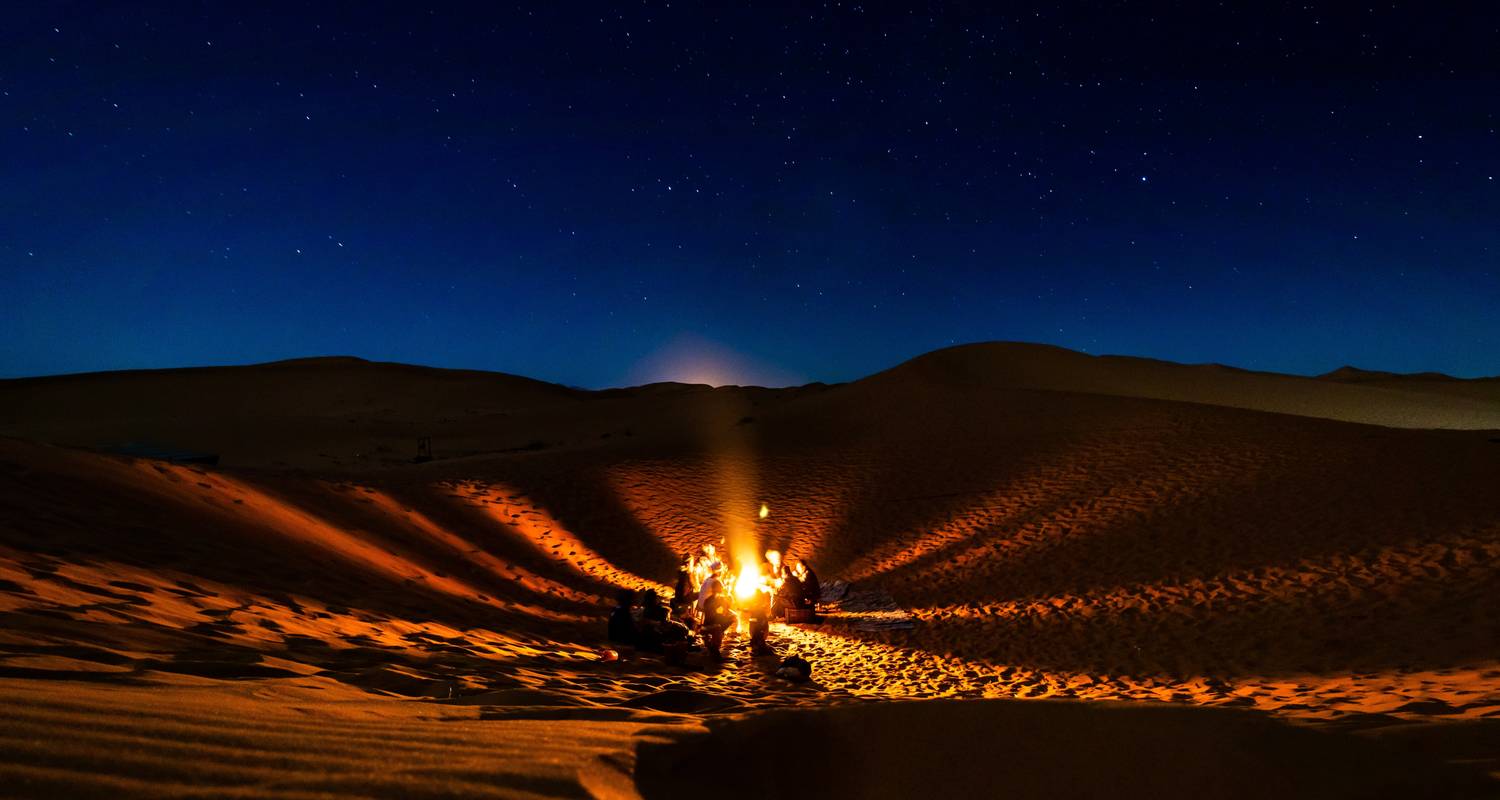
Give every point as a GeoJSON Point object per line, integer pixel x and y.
{"type": "Point", "coordinates": [940, 748]}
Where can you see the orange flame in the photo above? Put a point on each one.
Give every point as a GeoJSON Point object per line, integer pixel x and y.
{"type": "Point", "coordinates": [748, 583]}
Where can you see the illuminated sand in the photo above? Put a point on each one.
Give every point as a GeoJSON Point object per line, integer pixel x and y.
{"type": "Point", "coordinates": [1061, 544]}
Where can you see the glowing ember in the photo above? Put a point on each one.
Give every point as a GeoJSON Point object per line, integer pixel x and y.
{"type": "Point", "coordinates": [764, 511]}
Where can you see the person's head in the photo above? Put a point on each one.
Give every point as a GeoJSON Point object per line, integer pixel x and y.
{"type": "Point", "coordinates": [650, 599]}
{"type": "Point", "coordinates": [625, 598]}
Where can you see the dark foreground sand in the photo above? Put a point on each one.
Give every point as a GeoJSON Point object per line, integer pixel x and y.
{"type": "Point", "coordinates": [310, 739]}
{"type": "Point", "coordinates": [1300, 603]}
{"type": "Point", "coordinates": [1045, 748]}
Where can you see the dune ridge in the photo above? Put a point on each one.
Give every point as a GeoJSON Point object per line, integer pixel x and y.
{"type": "Point", "coordinates": [1426, 400]}
{"type": "Point", "coordinates": [307, 412]}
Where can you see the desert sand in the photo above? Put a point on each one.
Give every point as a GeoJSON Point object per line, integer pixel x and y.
{"type": "Point", "coordinates": [1052, 574]}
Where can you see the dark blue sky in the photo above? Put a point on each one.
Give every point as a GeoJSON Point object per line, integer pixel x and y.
{"type": "Point", "coordinates": [593, 195]}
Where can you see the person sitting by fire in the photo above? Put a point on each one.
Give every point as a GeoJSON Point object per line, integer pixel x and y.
{"type": "Point", "coordinates": [622, 628]}
{"type": "Point", "coordinates": [685, 608]}
{"type": "Point", "coordinates": [789, 593]}
{"type": "Point", "coordinates": [682, 590]}
{"type": "Point", "coordinates": [812, 590]}
{"type": "Point", "coordinates": [710, 583]}
{"type": "Point", "coordinates": [676, 640]}
{"type": "Point", "coordinates": [757, 610]}
{"type": "Point", "coordinates": [718, 616]}
{"type": "Point", "coordinates": [648, 636]}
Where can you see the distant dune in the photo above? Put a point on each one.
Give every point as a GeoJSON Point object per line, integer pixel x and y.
{"type": "Point", "coordinates": [318, 615]}
{"type": "Point", "coordinates": [290, 407]}
{"type": "Point", "coordinates": [1426, 400]}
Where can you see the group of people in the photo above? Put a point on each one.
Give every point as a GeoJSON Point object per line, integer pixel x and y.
{"type": "Point", "coordinates": [649, 626]}
{"type": "Point", "coordinates": [712, 595]}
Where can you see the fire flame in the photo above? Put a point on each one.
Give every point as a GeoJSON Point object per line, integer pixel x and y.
{"type": "Point", "coordinates": [765, 511]}
{"type": "Point", "coordinates": [748, 583]}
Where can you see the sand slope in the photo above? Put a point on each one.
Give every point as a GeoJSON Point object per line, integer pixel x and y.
{"type": "Point", "coordinates": [308, 739]}
{"type": "Point", "coordinates": [1040, 524]}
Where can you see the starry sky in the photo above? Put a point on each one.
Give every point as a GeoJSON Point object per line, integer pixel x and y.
{"type": "Point", "coordinates": [606, 194]}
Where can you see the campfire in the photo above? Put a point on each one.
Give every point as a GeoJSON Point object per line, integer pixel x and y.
{"type": "Point", "coordinates": [751, 583]}
{"type": "Point", "coordinates": [734, 587]}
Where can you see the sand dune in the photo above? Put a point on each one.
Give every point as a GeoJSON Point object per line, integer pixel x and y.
{"type": "Point", "coordinates": [348, 414]}
{"type": "Point", "coordinates": [1422, 401]}
{"type": "Point", "coordinates": [319, 616]}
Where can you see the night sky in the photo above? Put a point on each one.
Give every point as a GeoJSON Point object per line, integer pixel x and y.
{"type": "Point", "coordinates": [602, 195]}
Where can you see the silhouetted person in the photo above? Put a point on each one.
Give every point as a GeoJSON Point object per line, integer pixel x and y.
{"type": "Point", "coordinates": [653, 617]}
{"type": "Point", "coordinates": [758, 618]}
{"type": "Point", "coordinates": [790, 594]}
{"type": "Point", "coordinates": [682, 589]}
{"type": "Point", "coordinates": [717, 617]}
{"type": "Point", "coordinates": [621, 620]}
{"type": "Point", "coordinates": [812, 590]}
{"type": "Point", "coordinates": [676, 638]}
